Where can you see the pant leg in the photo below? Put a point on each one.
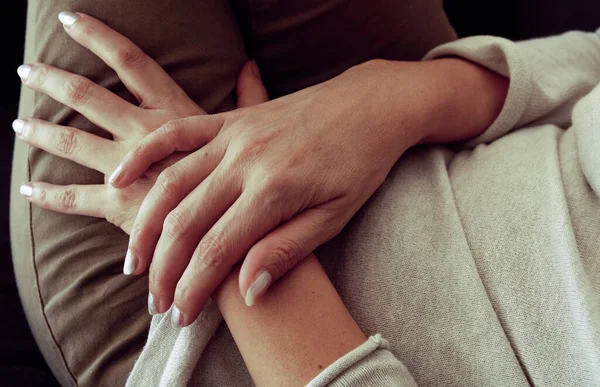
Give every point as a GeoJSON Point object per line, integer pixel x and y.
{"type": "Point", "coordinates": [299, 43]}
{"type": "Point", "coordinates": [90, 320]}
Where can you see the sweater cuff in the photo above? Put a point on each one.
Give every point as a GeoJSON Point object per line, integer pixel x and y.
{"type": "Point", "coordinates": [370, 364]}
{"type": "Point", "coordinates": [503, 57]}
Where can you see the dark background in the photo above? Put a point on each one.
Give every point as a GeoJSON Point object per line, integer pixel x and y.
{"type": "Point", "coordinates": [20, 361]}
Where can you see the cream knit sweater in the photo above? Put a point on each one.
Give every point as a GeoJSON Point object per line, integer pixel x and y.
{"type": "Point", "coordinates": [480, 264]}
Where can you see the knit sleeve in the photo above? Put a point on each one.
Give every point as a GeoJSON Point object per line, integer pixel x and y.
{"type": "Point", "coordinates": [547, 76]}
{"type": "Point", "coordinates": [370, 365]}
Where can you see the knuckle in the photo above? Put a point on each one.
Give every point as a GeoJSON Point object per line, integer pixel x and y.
{"type": "Point", "coordinates": [251, 149]}
{"type": "Point", "coordinates": [89, 29]}
{"type": "Point", "coordinates": [285, 255]}
{"type": "Point", "coordinates": [118, 211]}
{"type": "Point", "coordinates": [211, 252]}
{"type": "Point", "coordinates": [168, 98]}
{"type": "Point", "coordinates": [177, 223]}
{"type": "Point", "coordinates": [140, 151]}
{"type": "Point", "coordinates": [275, 187]}
{"type": "Point", "coordinates": [169, 181]}
{"type": "Point", "coordinates": [169, 135]}
{"type": "Point", "coordinates": [32, 129]}
{"type": "Point", "coordinates": [170, 128]}
{"type": "Point", "coordinates": [117, 218]}
{"type": "Point", "coordinates": [130, 57]}
{"type": "Point", "coordinates": [273, 182]}
{"type": "Point", "coordinates": [183, 293]}
{"type": "Point", "coordinates": [42, 197]}
{"type": "Point", "coordinates": [137, 230]}
{"type": "Point", "coordinates": [78, 90]}
{"type": "Point", "coordinates": [66, 141]}
{"type": "Point", "coordinates": [67, 199]}
{"type": "Point", "coordinates": [40, 74]}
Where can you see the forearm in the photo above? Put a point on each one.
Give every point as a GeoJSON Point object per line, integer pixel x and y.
{"type": "Point", "coordinates": [452, 99]}
{"type": "Point", "coordinates": [296, 330]}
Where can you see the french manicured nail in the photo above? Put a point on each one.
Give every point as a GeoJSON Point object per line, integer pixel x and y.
{"type": "Point", "coordinates": [115, 175]}
{"type": "Point", "coordinates": [68, 18]}
{"type": "Point", "coordinates": [130, 263]}
{"type": "Point", "coordinates": [176, 317]}
{"type": "Point", "coordinates": [24, 71]}
{"type": "Point", "coordinates": [26, 190]}
{"type": "Point", "coordinates": [258, 287]}
{"type": "Point", "coordinates": [151, 305]}
{"type": "Point", "coordinates": [18, 125]}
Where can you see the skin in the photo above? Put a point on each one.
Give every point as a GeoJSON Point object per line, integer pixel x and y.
{"type": "Point", "coordinates": [294, 332]}
{"type": "Point", "coordinates": [126, 122]}
{"type": "Point", "coordinates": [290, 316]}
{"type": "Point", "coordinates": [281, 178]}
{"type": "Point", "coordinates": [262, 182]}
{"type": "Point", "coordinates": [278, 338]}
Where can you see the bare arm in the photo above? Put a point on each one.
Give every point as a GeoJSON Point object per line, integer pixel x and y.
{"type": "Point", "coordinates": [294, 331]}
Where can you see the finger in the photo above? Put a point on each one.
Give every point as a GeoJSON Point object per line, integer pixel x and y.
{"type": "Point", "coordinates": [88, 200]}
{"type": "Point", "coordinates": [171, 187]}
{"type": "Point", "coordinates": [244, 223]}
{"type": "Point", "coordinates": [99, 105]}
{"type": "Point", "coordinates": [182, 229]}
{"type": "Point", "coordinates": [284, 247]}
{"type": "Point", "coordinates": [181, 135]}
{"type": "Point", "coordinates": [151, 85]}
{"type": "Point", "coordinates": [250, 89]}
{"type": "Point", "coordinates": [70, 143]}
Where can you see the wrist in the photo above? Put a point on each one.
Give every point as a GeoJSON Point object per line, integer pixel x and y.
{"type": "Point", "coordinates": [439, 101]}
{"type": "Point", "coordinates": [471, 98]}
{"type": "Point", "coordinates": [394, 102]}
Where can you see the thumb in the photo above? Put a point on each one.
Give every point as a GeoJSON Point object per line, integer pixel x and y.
{"type": "Point", "coordinates": [250, 89]}
{"type": "Point", "coordinates": [281, 249]}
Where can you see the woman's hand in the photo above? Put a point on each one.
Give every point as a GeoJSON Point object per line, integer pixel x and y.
{"type": "Point", "coordinates": [278, 179]}
{"type": "Point", "coordinates": [161, 100]}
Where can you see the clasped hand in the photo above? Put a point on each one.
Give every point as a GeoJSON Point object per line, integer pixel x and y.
{"type": "Point", "coordinates": [198, 193]}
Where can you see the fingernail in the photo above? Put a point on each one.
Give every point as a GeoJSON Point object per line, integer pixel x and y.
{"type": "Point", "coordinates": [115, 174]}
{"type": "Point", "coordinates": [24, 71]}
{"type": "Point", "coordinates": [151, 305]}
{"type": "Point", "coordinates": [258, 287]}
{"type": "Point", "coordinates": [26, 190]}
{"type": "Point", "coordinates": [18, 125]}
{"type": "Point", "coordinates": [130, 263]}
{"type": "Point", "coordinates": [68, 18]}
{"type": "Point", "coordinates": [176, 318]}
{"type": "Point", "coordinates": [255, 69]}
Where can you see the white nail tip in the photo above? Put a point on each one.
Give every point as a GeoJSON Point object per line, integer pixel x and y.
{"type": "Point", "coordinates": [176, 317]}
{"type": "Point", "coordinates": [18, 126]}
{"type": "Point", "coordinates": [129, 266]}
{"type": "Point", "coordinates": [24, 71]}
{"type": "Point", "coordinates": [258, 287]}
{"type": "Point", "coordinates": [68, 18]}
{"type": "Point", "coordinates": [151, 305]}
{"type": "Point", "coordinates": [115, 174]}
{"type": "Point", "coordinates": [26, 190]}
